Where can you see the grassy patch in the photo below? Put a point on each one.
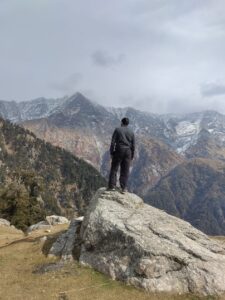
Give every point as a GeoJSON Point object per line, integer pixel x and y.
{"type": "Point", "coordinates": [19, 281]}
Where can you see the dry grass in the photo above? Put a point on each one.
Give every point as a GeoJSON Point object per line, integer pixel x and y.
{"type": "Point", "coordinates": [8, 235]}
{"type": "Point", "coordinates": [17, 280]}
{"type": "Point", "coordinates": [219, 238]}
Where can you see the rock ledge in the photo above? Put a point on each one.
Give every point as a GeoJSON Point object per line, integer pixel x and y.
{"type": "Point", "coordinates": [144, 246]}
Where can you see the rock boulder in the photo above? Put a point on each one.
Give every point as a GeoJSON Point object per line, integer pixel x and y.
{"type": "Point", "coordinates": [48, 223]}
{"type": "Point", "coordinates": [56, 220]}
{"type": "Point", "coordinates": [4, 222]}
{"type": "Point", "coordinates": [144, 246]}
{"type": "Point", "coordinates": [67, 246]}
{"type": "Point", "coordinates": [43, 225]}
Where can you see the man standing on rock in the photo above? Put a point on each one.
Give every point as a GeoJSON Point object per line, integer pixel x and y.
{"type": "Point", "coordinates": [122, 152]}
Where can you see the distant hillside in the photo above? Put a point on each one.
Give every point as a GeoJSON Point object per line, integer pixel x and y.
{"type": "Point", "coordinates": [207, 146]}
{"type": "Point", "coordinates": [194, 191]}
{"type": "Point", "coordinates": [37, 178]}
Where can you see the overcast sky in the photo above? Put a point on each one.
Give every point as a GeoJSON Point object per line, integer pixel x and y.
{"type": "Point", "coordinates": [155, 55]}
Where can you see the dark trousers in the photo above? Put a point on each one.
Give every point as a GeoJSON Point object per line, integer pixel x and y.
{"type": "Point", "coordinates": [120, 158]}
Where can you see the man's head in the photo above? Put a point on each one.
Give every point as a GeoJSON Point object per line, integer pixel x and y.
{"type": "Point", "coordinates": [125, 122]}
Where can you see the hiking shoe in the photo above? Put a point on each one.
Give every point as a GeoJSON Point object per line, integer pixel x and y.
{"type": "Point", "coordinates": [123, 191]}
{"type": "Point", "coordinates": [109, 189]}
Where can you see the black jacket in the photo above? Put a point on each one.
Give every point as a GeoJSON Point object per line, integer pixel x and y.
{"type": "Point", "coordinates": [123, 138]}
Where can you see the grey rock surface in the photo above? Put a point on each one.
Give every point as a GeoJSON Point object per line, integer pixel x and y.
{"type": "Point", "coordinates": [4, 222]}
{"type": "Point", "coordinates": [56, 220]}
{"type": "Point", "coordinates": [67, 243]}
{"type": "Point", "coordinates": [48, 223]}
{"type": "Point", "coordinates": [144, 246]}
{"type": "Point", "coordinates": [40, 225]}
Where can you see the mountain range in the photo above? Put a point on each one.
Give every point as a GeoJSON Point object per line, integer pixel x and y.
{"type": "Point", "coordinates": [166, 145]}
{"type": "Point", "coordinates": [178, 131]}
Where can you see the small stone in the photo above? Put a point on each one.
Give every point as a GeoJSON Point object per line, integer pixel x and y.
{"type": "Point", "coordinates": [80, 219]}
{"type": "Point", "coordinates": [43, 239]}
{"type": "Point", "coordinates": [43, 225]}
{"type": "Point", "coordinates": [56, 220]}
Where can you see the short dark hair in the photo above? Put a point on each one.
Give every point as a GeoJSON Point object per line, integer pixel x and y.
{"type": "Point", "coordinates": [125, 121]}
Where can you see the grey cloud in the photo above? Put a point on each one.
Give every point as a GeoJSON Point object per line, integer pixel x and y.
{"type": "Point", "coordinates": [212, 89]}
{"type": "Point", "coordinates": [67, 85]}
{"type": "Point", "coordinates": [104, 59]}
{"type": "Point", "coordinates": [167, 9]}
{"type": "Point", "coordinates": [171, 47]}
